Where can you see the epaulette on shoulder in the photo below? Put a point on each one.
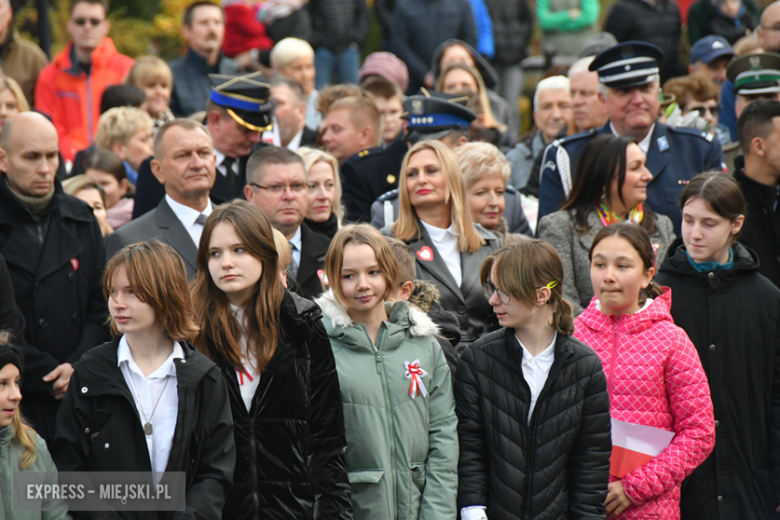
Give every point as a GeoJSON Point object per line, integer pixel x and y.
{"type": "Point", "coordinates": [370, 152]}
{"type": "Point", "coordinates": [692, 131]}
{"type": "Point", "coordinates": [390, 195]}
{"type": "Point", "coordinates": [575, 137]}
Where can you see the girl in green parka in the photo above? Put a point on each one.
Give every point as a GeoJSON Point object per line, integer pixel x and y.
{"type": "Point", "coordinates": [399, 409]}
{"type": "Point", "coordinates": [21, 449]}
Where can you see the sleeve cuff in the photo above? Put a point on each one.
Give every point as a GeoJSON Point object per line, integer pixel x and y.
{"type": "Point", "coordinates": [473, 513]}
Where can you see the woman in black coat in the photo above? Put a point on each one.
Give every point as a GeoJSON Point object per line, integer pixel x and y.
{"type": "Point", "coordinates": [533, 445]}
{"type": "Point", "coordinates": [435, 221]}
{"type": "Point", "coordinates": [147, 401]}
{"type": "Point", "coordinates": [730, 312]}
{"type": "Point", "coordinates": [280, 371]}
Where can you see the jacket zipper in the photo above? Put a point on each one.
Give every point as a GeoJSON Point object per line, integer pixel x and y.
{"type": "Point", "coordinates": [253, 469]}
{"type": "Point", "coordinates": [388, 411]}
{"type": "Point", "coordinates": [613, 353]}
{"type": "Point", "coordinates": [89, 108]}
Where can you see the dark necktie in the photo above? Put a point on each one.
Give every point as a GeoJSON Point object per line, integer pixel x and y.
{"type": "Point", "coordinates": [227, 163]}
{"type": "Point", "coordinates": [201, 219]}
{"type": "Point", "coordinates": [292, 270]}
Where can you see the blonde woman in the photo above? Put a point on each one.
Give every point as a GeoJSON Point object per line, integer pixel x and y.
{"type": "Point", "coordinates": [294, 58]}
{"type": "Point", "coordinates": [486, 174]}
{"type": "Point", "coordinates": [463, 79]}
{"type": "Point", "coordinates": [433, 219]}
{"type": "Point", "coordinates": [22, 449]}
{"type": "Point", "coordinates": [128, 132]}
{"type": "Point", "coordinates": [12, 100]}
{"type": "Point", "coordinates": [154, 77]}
{"type": "Point", "coordinates": [323, 210]}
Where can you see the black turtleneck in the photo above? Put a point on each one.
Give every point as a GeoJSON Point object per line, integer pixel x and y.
{"type": "Point", "coordinates": [327, 228]}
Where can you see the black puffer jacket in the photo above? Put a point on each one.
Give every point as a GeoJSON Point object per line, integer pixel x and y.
{"type": "Point", "coordinates": [338, 23]}
{"type": "Point", "coordinates": [731, 316]}
{"type": "Point", "coordinates": [291, 444]}
{"type": "Point", "coordinates": [558, 466]}
{"type": "Point", "coordinates": [657, 23]}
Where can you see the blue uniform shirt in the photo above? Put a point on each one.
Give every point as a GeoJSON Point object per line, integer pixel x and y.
{"type": "Point", "coordinates": [675, 156]}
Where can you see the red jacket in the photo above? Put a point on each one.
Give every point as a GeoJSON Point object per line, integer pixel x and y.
{"type": "Point", "coordinates": [654, 378]}
{"type": "Point", "coordinates": [243, 31]}
{"type": "Point", "coordinates": [72, 99]}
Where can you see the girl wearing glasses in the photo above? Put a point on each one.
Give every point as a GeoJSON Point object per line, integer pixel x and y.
{"type": "Point", "coordinates": [396, 387]}
{"type": "Point", "coordinates": [281, 377]}
{"type": "Point", "coordinates": [435, 221]}
{"type": "Point", "coordinates": [531, 400]}
{"type": "Point", "coordinates": [611, 187]}
{"type": "Point", "coordinates": [662, 423]}
{"type": "Point", "coordinates": [323, 210]}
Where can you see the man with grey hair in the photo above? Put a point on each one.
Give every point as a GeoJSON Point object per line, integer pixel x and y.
{"type": "Point", "coordinates": [552, 114]}
{"type": "Point", "coordinates": [276, 183]}
{"type": "Point", "coordinates": [628, 73]}
{"type": "Point", "coordinates": [589, 107]}
{"type": "Point", "coordinates": [185, 164]}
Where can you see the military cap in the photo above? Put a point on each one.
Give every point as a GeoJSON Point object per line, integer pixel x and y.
{"type": "Point", "coordinates": [627, 64]}
{"type": "Point", "coordinates": [755, 74]}
{"type": "Point", "coordinates": [434, 115]}
{"type": "Point", "coordinates": [246, 98]}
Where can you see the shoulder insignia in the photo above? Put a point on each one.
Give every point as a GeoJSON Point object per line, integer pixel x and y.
{"type": "Point", "coordinates": [369, 152]}
{"type": "Point", "coordinates": [391, 179]}
{"type": "Point", "coordinates": [363, 153]}
{"type": "Point", "coordinates": [709, 137]}
{"type": "Point", "coordinates": [390, 195]}
{"type": "Point", "coordinates": [693, 132]}
{"type": "Point", "coordinates": [663, 143]}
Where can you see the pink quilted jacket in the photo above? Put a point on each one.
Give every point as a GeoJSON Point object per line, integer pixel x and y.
{"type": "Point", "coordinates": [654, 378]}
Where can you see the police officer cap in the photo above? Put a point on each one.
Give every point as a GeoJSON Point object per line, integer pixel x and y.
{"type": "Point", "coordinates": [434, 115]}
{"type": "Point", "coordinates": [246, 98]}
{"type": "Point", "coordinates": [754, 74]}
{"type": "Point", "coordinates": [627, 64]}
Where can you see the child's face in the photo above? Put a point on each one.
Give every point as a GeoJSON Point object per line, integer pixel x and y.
{"type": "Point", "coordinates": [363, 283]}
{"type": "Point", "coordinates": [10, 395]}
{"type": "Point", "coordinates": [730, 8]}
{"type": "Point", "coordinates": [618, 274]}
{"type": "Point", "coordinates": [707, 235]}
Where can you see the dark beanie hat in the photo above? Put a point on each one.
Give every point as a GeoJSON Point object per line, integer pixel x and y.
{"type": "Point", "coordinates": [10, 354]}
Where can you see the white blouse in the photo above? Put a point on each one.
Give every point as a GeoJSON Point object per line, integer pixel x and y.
{"type": "Point", "coordinates": [248, 378]}
{"type": "Point", "coordinates": [446, 242]}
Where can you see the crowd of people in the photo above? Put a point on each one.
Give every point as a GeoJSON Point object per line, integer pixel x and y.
{"type": "Point", "coordinates": [321, 288]}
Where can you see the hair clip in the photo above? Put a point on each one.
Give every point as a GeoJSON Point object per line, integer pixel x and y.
{"type": "Point", "coordinates": [552, 285]}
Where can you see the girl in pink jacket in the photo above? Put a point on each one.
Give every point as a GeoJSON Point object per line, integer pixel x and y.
{"type": "Point", "coordinates": [662, 421]}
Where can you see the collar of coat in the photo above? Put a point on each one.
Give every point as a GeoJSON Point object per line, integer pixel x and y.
{"type": "Point", "coordinates": [677, 262]}
{"type": "Point", "coordinates": [417, 322]}
{"type": "Point", "coordinates": [99, 373]}
{"type": "Point", "coordinates": [62, 204]}
{"type": "Point", "coordinates": [658, 311]}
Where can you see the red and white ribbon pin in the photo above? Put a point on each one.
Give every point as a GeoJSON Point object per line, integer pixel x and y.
{"type": "Point", "coordinates": [415, 373]}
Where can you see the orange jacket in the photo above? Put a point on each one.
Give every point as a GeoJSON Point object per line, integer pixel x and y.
{"type": "Point", "coordinates": [72, 99]}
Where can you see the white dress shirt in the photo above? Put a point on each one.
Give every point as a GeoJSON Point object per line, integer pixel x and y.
{"type": "Point", "coordinates": [644, 144]}
{"type": "Point", "coordinates": [296, 251]}
{"type": "Point", "coordinates": [187, 216]}
{"type": "Point", "coordinates": [248, 378]}
{"type": "Point", "coordinates": [295, 142]}
{"type": "Point", "coordinates": [146, 390]}
{"type": "Point", "coordinates": [446, 242]}
{"type": "Point", "coordinates": [221, 168]}
{"type": "Point", "coordinates": [536, 369]}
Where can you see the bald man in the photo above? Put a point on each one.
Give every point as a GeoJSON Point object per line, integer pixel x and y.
{"type": "Point", "coordinates": [54, 251]}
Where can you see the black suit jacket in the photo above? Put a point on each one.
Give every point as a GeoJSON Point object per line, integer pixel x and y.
{"type": "Point", "coordinates": [314, 246]}
{"type": "Point", "coordinates": [309, 137]}
{"type": "Point", "coordinates": [160, 224]}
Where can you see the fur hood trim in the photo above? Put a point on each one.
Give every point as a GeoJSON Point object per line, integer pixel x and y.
{"type": "Point", "coordinates": [421, 324]}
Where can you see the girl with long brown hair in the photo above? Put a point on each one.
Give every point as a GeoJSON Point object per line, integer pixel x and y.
{"type": "Point", "coordinates": [21, 449]}
{"type": "Point", "coordinates": [282, 381]}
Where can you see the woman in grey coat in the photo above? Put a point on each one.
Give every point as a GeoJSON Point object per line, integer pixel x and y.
{"type": "Point", "coordinates": [611, 187]}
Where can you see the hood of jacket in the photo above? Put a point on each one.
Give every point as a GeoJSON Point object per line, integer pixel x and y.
{"type": "Point", "coordinates": [489, 75]}
{"type": "Point", "coordinates": [404, 320]}
{"type": "Point", "coordinates": [659, 310]}
{"type": "Point", "coordinates": [100, 56]}
{"type": "Point", "coordinates": [677, 262]}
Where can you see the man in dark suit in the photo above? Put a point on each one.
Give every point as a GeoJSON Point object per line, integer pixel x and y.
{"type": "Point", "coordinates": [628, 73]}
{"type": "Point", "coordinates": [184, 163]}
{"type": "Point", "coordinates": [239, 110]}
{"type": "Point", "coordinates": [276, 183]}
{"type": "Point", "coordinates": [290, 113]}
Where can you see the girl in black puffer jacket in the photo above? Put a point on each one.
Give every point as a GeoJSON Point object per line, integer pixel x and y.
{"type": "Point", "coordinates": [532, 400]}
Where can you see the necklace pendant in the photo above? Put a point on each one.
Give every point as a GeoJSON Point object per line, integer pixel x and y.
{"type": "Point", "coordinates": [148, 428]}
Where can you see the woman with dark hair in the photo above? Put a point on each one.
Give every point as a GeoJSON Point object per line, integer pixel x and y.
{"type": "Point", "coordinates": [280, 371]}
{"type": "Point", "coordinates": [148, 401]}
{"type": "Point", "coordinates": [730, 313]}
{"type": "Point", "coordinates": [611, 187]}
{"type": "Point", "coordinates": [107, 169]}
{"type": "Point", "coordinates": [531, 400]}
{"type": "Point", "coordinates": [660, 406]}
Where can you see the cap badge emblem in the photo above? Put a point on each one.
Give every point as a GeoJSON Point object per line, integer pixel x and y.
{"type": "Point", "coordinates": [417, 107]}
{"type": "Point", "coordinates": [755, 62]}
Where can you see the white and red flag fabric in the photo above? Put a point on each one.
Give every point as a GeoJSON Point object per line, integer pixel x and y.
{"type": "Point", "coordinates": [634, 445]}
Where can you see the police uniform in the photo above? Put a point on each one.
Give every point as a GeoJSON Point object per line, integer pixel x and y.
{"type": "Point", "coordinates": [674, 156]}
{"type": "Point", "coordinates": [246, 99]}
{"type": "Point", "coordinates": [754, 76]}
{"type": "Point", "coordinates": [368, 174]}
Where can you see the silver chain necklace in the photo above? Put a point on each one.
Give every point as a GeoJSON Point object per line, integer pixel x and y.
{"type": "Point", "coordinates": [148, 427]}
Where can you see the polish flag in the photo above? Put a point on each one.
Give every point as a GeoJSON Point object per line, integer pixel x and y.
{"type": "Point", "coordinates": [634, 445]}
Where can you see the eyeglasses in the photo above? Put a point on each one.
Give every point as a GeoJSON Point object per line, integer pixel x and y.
{"type": "Point", "coordinates": [94, 22]}
{"type": "Point", "coordinates": [491, 289]}
{"type": "Point", "coordinates": [713, 111]}
{"type": "Point", "coordinates": [278, 189]}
